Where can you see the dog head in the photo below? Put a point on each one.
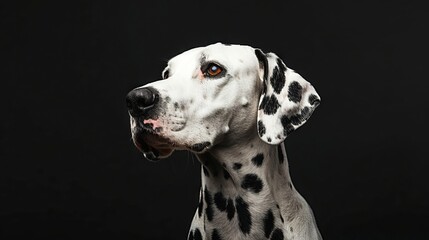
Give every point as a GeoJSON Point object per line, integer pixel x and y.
{"type": "Point", "coordinates": [218, 94]}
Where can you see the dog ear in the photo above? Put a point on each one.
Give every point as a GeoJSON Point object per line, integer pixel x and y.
{"type": "Point", "coordinates": [287, 100]}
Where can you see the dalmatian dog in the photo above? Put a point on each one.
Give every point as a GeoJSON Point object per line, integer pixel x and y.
{"type": "Point", "coordinates": [232, 106]}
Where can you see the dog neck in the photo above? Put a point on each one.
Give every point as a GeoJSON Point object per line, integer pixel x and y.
{"type": "Point", "coordinates": [251, 170]}
{"type": "Point", "coordinates": [247, 184]}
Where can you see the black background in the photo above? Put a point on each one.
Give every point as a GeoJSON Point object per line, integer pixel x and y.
{"type": "Point", "coordinates": [69, 170]}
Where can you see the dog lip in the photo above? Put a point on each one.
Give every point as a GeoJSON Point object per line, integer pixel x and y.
{"type": "Point", "coordinates": [152, 138]}
{"type": "Point", "coordinates": [200, 147]}
{"type": "Point", "coordinates": [151, 156]}
{"type": "Point", "coordinates": [151, 144]}
{"type": "Point", "coordinates": [152, 153]}
{"type": "Point", "coordinates": [145, 128]}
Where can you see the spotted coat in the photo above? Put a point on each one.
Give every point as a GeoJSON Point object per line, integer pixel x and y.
{"type": "Point", "coordinates": [233, 106]}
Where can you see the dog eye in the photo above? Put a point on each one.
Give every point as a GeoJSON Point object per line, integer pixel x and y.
{"type": "Point", "coordinates": [213, 70]}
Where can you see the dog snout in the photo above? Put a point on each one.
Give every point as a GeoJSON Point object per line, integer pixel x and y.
{"type": "Point", "coordinates": [141, 100]}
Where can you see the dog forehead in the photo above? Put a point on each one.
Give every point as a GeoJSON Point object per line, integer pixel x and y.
{"type": "Point", "coordinates": [231, 53]}
{"type": "Point", "coordinates": [221, 53]}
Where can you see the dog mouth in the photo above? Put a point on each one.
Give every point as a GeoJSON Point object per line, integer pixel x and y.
{"type": "Point", "coordinates": [149, 138]}
{"type": "Point", "coordinates": [151, 143]}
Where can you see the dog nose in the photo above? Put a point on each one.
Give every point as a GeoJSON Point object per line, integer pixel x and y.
{"type": "Point", "coordinates": [141, 100]}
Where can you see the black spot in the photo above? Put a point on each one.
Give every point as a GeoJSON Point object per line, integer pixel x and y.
{"type": "Point", "coordinates": [287, 125]}
{"type": "Point", "coordinates": [207, 196]}
{"type": "Point", "coordinates": [291, 229]}
{"type": "Point", "coordinates": [268, 223]}
{"type": "Point", "coordinates": [305, 113]}
{"type": "Point", "coordinates": [215, 235]}
{"type": "Point", "coordinates": [297, 119]}
{"type": "Point", "coordinates": [209, 213]}
{"type": "Point", "coordinates": [244, 217]}
{"type": "Point", "coordinates": [197, 235]}
{"type": "Point", "coordinates": [294, 93]}
{"type": "Point", "coordinates": [230, 209]}
{"type": "Point", "coordinates": [265, 87]}
{"type": "Point", "coordinates": [285, 121]}
{"type": "Point", "coordinates": [278, 80]}
{"type": "Point", "coordinates": [252, 182]}
{"type": "Point", "coordinates": [209, 201]}
{"type": "Point", "coordinates": [261, 128]}
{"type": "Point", "coordinates": [258, 159]}
{"type": "Point", "coordinates": [191, 235]}
{"type": "Point", "coordinates": [263, 62]}
{"type": "Point", "coordinates": [277, 235]}
{"type": "Point", "coordinates": [263, 102]}
{"type": "Point", "coordinates": [206, 172]}
{"type": "Point", "coordinates": [271, 106]}
{"type": "Point", "coordinates": [237, 166]}
{"type": "Point", "coordinates": [313, 99]}
{"type": "Point", "coordinates": [226, 174]}
{"type": "Point", "coordinates": [176, 105]}
{"type": "Point", "coordinates": [209, 163]}
{"type": "Point", "coordinates": [281, 65]}
{"type": "Point", "coordinates": [288, 130]}
{"type": "Point", "coordinates": [280, 153]}
{"type": "Point", "coordinates": [198, 147]}
{"type": "Point", "coordinates": [268, 139]}
{"type": "Point", "coordinates": [200, 205]}
{"type": "Point", "coordinates": [220, 201]}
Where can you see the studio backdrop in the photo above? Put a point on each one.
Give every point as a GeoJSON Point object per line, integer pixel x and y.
{"type": "Point", "coordinates": [68, 166]}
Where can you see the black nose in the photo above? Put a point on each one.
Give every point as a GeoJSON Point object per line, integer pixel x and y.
{"type": "Point", "coordinates": [141, 100]}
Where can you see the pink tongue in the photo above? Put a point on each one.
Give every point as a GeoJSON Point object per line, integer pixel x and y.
{"type": "Point", "coordinates": [155, 123]}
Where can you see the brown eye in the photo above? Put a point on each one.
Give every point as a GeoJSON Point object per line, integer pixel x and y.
{"type": "Point", "coordinates": [213, 70]}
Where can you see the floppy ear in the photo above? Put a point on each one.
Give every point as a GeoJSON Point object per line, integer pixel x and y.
{"type": "Point", "coordinates": [287, 100]}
